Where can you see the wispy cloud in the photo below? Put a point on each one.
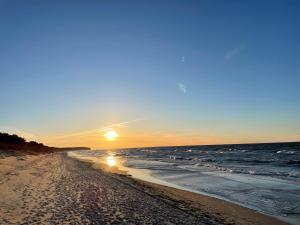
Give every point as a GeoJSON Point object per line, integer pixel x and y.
{"type": "Point", "coordinates": [182, 88]}
{"type": "Point", "coordinates": [121, 125]}
{"type": "Point", "coordinates": [96, 131]}
{"type": "Point", "coordinates": [183, 59]}
{"type": "Point", "coordinates": [90, 133]}
{"type": "Point", "coordinates": [233, 52]}
{"type": "Point", "coordinates": [75, 134]}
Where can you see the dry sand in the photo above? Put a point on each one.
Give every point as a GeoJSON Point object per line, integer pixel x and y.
{"type": "Point", "coordinates": [55, 189]}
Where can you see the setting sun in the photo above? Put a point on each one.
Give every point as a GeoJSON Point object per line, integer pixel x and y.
{"type": "Point", "coordinates": [111, 135]}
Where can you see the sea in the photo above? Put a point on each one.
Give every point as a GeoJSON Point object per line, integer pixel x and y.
{"type": "Point", "coordinates": [263, 177]}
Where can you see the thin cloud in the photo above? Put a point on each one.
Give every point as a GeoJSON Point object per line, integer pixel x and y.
{"type": "Point", "coordinates": [87, 132]}
{"type": "Point", "coordinates": [182, 88]}
{"type": "Point", "coordinates": [97, 130]}
{"type": "Point", "coordinates": [90, 132]}
{"type": "Point", "coordinates": [233, 52]}
{"type": "Point", "coordinates": [122, 124]}
{"type": "Point", "coordinates": [183, 59]}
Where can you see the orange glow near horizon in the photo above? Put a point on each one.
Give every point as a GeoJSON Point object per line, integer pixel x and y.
{"type": "Point", "coordinates": [136, 138]}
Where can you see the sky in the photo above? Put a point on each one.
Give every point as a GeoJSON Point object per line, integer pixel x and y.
{"type": "Point", "coordinates": [158, 73]}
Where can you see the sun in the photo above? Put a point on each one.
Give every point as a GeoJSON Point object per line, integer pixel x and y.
{"type": "Point", "coordinates": [111, 135]}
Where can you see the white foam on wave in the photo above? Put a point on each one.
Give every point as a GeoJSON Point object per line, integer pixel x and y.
{"type": "Point", "coordinates": [266, 194]}
{"type": "Point", "coordinates": [270, 195]}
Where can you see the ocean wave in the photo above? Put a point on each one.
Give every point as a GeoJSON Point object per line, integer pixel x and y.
{"type": "Point", "coordinates": [294, 174]}
{"type": "Point", "coordinates": [251, 171]}
{"type": "Point", "coordinates": [293, 162]}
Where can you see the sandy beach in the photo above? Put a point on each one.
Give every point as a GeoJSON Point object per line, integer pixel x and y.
{"type": "Point", "coordinates": [56, 189]}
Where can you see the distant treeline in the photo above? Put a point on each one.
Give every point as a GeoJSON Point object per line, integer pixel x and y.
{"type": "Point", "coordinates": [14, 142]}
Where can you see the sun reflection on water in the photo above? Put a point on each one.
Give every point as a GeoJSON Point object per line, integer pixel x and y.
{"type": "Point", "coordinates": [111, 161]}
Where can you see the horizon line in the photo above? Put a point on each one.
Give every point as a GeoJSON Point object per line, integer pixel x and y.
{"type": "Point", "coordinates": [166, 146]}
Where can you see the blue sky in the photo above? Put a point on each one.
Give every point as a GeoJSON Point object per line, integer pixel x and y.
{"type": "Point", "coordinates": [194, 71]}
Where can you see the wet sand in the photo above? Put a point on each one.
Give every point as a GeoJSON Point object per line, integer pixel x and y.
{"type": "Point", "coordinates": [56, 189]}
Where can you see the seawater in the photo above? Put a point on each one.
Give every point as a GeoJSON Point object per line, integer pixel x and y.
{"type": "Point", "coordinates": [264, 177]}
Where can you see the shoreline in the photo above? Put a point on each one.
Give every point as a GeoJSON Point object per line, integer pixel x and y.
{"type": "Point", "coordinates": [54, 189]}
{"type": "Point", "coordinates": [172, 191]}
{"type": "Point", "coordinates": [156, 182]}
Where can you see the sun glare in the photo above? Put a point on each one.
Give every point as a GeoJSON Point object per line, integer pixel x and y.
{"type": "Point", "coordinates": [111, 135]}
{"type": "Point", "coordinates": [110, 160]}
